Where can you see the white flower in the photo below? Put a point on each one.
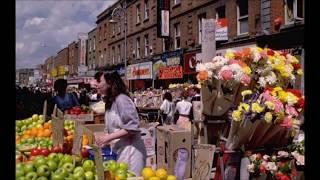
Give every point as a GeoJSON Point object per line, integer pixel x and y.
{"type": "Point", "coordinates": [271, 78]}
{"type": "Point", "coordinates": [274, 158]}
{"type": "Point", "coordinates": [237, 71]}
{"type": "Point", "coordinates": [264, 163]}
{"type": "Point", "coordinates": [266, 157]}
{"type": "Point", "coordinates": [283, 154]}
{"type": "Point", "coordinates": [253, 157]}
{"type": "Point", "coordinates": [251, 168]}
{"type": "Point", "coordinates": [210, 66]}
{"type": "Point", "coordinates": [219, 61]}
{"type": "Point", "coordinates": [299, 158]}
{"type": "Point", "coordinates": [271, 166]}
{"type": "Point", "coordinates": [255, 54]}
{"type": "Point", "coordinates": [201, 67]}
{"type": "Point", "coordinates": [262, 81]}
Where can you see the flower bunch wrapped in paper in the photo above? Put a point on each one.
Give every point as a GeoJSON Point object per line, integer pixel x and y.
{"type": "Point", "coordinates": [269, 118]}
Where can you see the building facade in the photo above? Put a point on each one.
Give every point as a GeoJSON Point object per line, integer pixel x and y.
{"type": "Point", "coordinates": [73, 58]}
{"type": "Point", "coordinates": [91, 50]}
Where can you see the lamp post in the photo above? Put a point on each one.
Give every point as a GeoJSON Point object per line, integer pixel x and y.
{"type": "Point", "coordinates": [122, 12]}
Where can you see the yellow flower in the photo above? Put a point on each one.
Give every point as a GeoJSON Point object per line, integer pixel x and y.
{"type": "Point", "coordinates": [236, 115]}
{"type": "Point", "coordinates": [246, 70]}
{"type": "Point", "coordinates": [291, 99]}
{"type": "Point", "coordinates": [284, 74]}
{"type": "Point", "coordinates": [256, 108]}
{"type": "Point", "coordinates": [282, 96]}
{"type": "Point", "coordinates": [243, 106]}
{"type": "Point", "coordinates": [299, 72]}
{"type": "Point", "coordinates": [275, 90]}
{"type": "Point", "coordinates": [259, 49]}
{"type": "Point", "coordinates": [269, 105]}
{"type": "Point", "coordinates": [280, 115]}
{"type": "Point", "coordinates": [246, 92]}
{"type": "Point", "coordinates": [268, 117]}
{"type": "Point", "coordinates": [229, 54]}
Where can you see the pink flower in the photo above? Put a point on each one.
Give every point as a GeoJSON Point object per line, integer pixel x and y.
{"type": "Point", "coordinates": [278, 106]}
{"type": "Point", "coordinates": [245, 79]}
{"type": "Point", "coordinates": [226, 74]}
{"type": "Point", "coordinates": [266, 95]}
{"type": "Point", "coordinates": [263, 54]}
{"type": "Point", "coordinates": [291, 111]}
{"type": "Point", "coordinates": [286, 122]}
{"type": "Point", "coordinates": [232, 61]}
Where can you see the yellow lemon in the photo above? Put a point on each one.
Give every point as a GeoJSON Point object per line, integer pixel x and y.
{"type": "Point", "coordinates": [162, 174]}
{"type": "Point", "coordinates": [170, 177]}
{"type": "Point", "coordinates": [154, 178]}
{"type": "Point", "coordinates": [147, 173]}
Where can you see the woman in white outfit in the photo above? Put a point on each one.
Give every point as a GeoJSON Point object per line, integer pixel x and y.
{"type": "Point", "coordinates": [122, 124]}
{"type": "Point", "coordinates": [167, 109]}
{"type": "Point", "coordinates": [184, 108]}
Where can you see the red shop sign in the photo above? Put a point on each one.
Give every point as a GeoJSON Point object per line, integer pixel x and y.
{"type": "Point", "coordinates": [170, 72]}
{"type": "Point", "coordinates": [190, 63]}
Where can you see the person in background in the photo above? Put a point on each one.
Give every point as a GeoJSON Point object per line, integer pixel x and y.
{"type": "Point", "coordinates": [196, 96]}
{"type": "Point", "coordinates": [84, 99]}
{"type": "Point", "coordinates": [64, 100]}
{"type": "Point", "coordinates": [167, 109]}
{"type": "Point", "coordinates": [122, 124]}
{"type": "Point", "coordinates": [183, 108]}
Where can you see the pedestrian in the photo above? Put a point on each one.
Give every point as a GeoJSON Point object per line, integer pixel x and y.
{"type": "Point", "coordinates": [122, 124]}
{"type": "Point", "coordinates": [184, 108]}
{"type": "Point", "coordinates": [64, 100]}
{"type": "Point", "coordinates": [167, 109]}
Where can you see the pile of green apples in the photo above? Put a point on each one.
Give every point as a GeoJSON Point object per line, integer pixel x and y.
{"type": "Point", "coordinates": [29, 123]}
{"type": "Point", "coordinates": [39, 142]}
{"type": "Point", "coordinates": [69, 125]}
{"type": "Point", "coordinates": [117, 170]}
{"type": "Point", "coordinates": [56, 166]}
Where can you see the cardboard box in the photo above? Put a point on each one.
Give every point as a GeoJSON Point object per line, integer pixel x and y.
{"type": "Point", "coordinates": [152, 162]}
{"type": "Point", "coordinates": [148, 135]}
{"type": "Point", "coordinates": [169, 140]}
{"type": "Point", "coordinates": [80, 117]}
{"type": "Point", "coordinates": [91, 129]}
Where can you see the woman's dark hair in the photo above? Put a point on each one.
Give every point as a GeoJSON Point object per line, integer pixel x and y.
{"type": "Point", "coordinates": [98, 75]}
{"type": "Point", "coordinates": [117, 87]}
{"type": "Point", "coordinates": [185, 94]}
{"type": "Point", "coordinates": [167, 96]}
{"type": "Point", "coordinates": [60, 85]}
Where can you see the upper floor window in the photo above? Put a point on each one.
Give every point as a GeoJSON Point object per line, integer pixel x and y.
{"type": "Point", "coordinates": [146, 9]}
{"type": "Point", "coordinates": [221, 12]}
{"type": "Point", "coordinates": [177, 1]}
{"type": "Point", "coordinates": [138, 13]}
{"type": "Point", "coordinates": [200, 17]}
{"type": "Point", "coordinates": [177, 36]}
{"type": "Point", "coordinates": [242, 17]}
{"type": "Point", "coordinates": [293, 10]}
{"type": "Point", "coordinates": [138, 48]}
{"type": "Point", "coordinates": [146, 45]}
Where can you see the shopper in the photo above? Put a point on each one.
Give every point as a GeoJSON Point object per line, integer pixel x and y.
{"type": "Point", "coordinates": [122, 124]}
{"type": "Point", "coordinates": [184, 108]}
{"type": "Point", "coordinates": [63, 100]}
{"type": "Point", "coordinates": [167, 109]}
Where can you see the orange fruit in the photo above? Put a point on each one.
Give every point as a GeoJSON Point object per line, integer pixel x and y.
{"type": "Point", "coordinates": [17, 141]}
{"type": "Point", "coordinates": [85, 141]}
{"type": "Point", "coordinates": [25, 136]}
{"type": "Point", "coordinates": [65, 138]}
{"type": "Point", "coordinates": [40, 133]}
{"type": "Point", "coordinates": [46, 133]}
{"type": "Point", "coordinates": [34, 131]}
{"type": "Point", "coordinates": [70, 133]}
{"type": "Point", "coordinates": [46, 125]}
{"type": "Point", "coordinates": [27, 132]}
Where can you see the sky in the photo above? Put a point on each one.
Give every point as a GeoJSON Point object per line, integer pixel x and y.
{"type": "Point", "coordinates": [43, 27]}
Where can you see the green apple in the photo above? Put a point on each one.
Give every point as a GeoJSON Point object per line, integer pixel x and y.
{"type": "Point", "coordinates": [61, 171]}
{"type": "Point", "coordinates": [89, 175]}
{"type": "Point", "coordinates": [19, 173]}
{"type": "Point", "coordinates": [31, 176]}
{"type": "Point", "coordinates": [67, 158]}
{"type": "Point", "coordinates": [88, 165]}
{"type": "Point", "coordinates": [34, 124]}
{"type": "Point", "coordinates": [40, 161]}
{"type": "Point", "coordinates": [79, 174]}
{"type": "Point", "coordinates": [30, 140]}
{"type": "Point", "coordinates": [123, 166]}
{"type": "Point", "coordinates": [19, 166]}
{"type": "Point", "coordinates": [40, 121]}
{"type": "Point", "coordinates": [22, 178]}
{"type": "Point", "coordinates": [68, 167]}
{"type": "Point", "coordinates": [52, 164]}
{"type": "Point", "coordinates": [17, 129]}
{"type": "Point", "coordinates": [41, 116]}
{"type": "Point", "coordinates": [38, 126]}
{"type": "Point", "coordinates": [35, 117]}
{"type": "Point", "coordinates": [60, 156]}
{"type": "Point", "coordinates": [43, 170]}
{"type": "Point", "coordinates": [28, 167]}
{"type": "Point", "coordinates": [19, 123]}
{"type": "Point", "coordinates": [70, 177]}
{"type": "Point", "coordinates": [42, 178]}
{"type": "Point", "coordinates": [23, 128]}
{"type": "Point", "coordinates": [55, 176]}
{"type": "Point", "coordinates": [113, 167]}
{"type": "Point", "coordinates": [129, 174]}
{"type": "Point", "coordinates": [77, 169]}
{"type": "Point", "coordinates": [105, 165]}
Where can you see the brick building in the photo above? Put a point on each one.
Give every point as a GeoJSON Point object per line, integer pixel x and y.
{"type": "Point", "coordinates": [91, 49]}
{"type": "Point", "coordinates": [61, 61]}
{"type": "Point", "coordinates": [73, 58]}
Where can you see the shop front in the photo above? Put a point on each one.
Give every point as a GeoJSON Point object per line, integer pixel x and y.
{"type": "Point", "coordinates": [80, 82]}
{"type": "Point", "coordinates": [139, 75]}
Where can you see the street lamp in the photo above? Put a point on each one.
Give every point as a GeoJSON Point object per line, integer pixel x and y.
{"type": "Point", "coordinates": [122, 12]}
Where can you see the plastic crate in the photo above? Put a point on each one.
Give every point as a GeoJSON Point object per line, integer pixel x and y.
{"type": "Point", "coordinates": [107, 154]}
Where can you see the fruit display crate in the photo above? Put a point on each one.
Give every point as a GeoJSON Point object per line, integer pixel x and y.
{"type": "Point", "coordinates": [80, 117]}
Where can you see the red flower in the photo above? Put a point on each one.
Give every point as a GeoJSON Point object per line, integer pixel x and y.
{"type": "Point", "coordinates": [296, 66]}
{"type": "Point", "coordinates": [283, 53]}
{"type": "Point", "coordinates": [270, 52]}
{"type": "Point", "coordinates": [258, 157]}
{"type": "Point", "coordinates": [294, 172]}
{"type": "Point", "coordinates": [285, 178]}
{"type": "Point", "coordinates": [278, 175]}
{"type": "Point", "coordinates": [246, 52]}
{"type": "Point", "coordinates": [268, 89]}
{"type": "Point", "coordinates": [238, 55]}
{"type": "Point", "coordinates": [300, 103]}
{"type": "Point", "coordinates": [262, 169]}
{"type": "Point", "coordinates": [296, 92]}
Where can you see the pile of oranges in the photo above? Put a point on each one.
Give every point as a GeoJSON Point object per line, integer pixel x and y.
{"type": "Point", "coordinates": [68, 137]}
{"type": "Point", "coordinates": [42, 131]}
{"type": "Point", "coordinates": [85, 140]}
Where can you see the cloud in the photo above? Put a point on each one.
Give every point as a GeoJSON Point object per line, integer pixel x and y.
{"type": "Point", "coordinates": [54, 24]}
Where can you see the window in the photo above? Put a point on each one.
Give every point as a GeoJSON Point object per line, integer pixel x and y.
{"type": "Point", "coordinates": [119, 27]}
{"type": "Point", "coordinates": [177, 1]}
{"type": "Point", "coordinates": [294, 10]}
{"type": "Point", "coordinates": [242, 16]}
{"type": "Point", "coordinates": [138, 14]}
{"type": "Point", "coordinates": [221, 12]}
{"type": "Point", "coordinates": [113, 55]}
{"type": "Point", "coordinates": [138, 48]}
{"type": "Point", "coordinates": [177, 36]}
{"type": "Point", "coordinates": [113, 29]}
{"type": "Point", "coordinates": [200, 17]}
{"type": "Point", "coordinates": [89, 45]}
{"type": "Point", "coordinates": [146, 9]}
{"type": "Point", "coordinates": [146, 45]}
{"type": "Point", "coordinates": [94, 43]}
{"type": "Point", "coordinates": [119, 53]}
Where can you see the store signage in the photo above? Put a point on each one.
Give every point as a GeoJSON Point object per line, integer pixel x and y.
{"type": "Point", "coordinates": [189, 63]}
{"type": "Point", "coordinates": [83, 38]}
{"type": "Point", "coordinates": [61, 70]}
{"type": "Point", "coordinates": [139, 71]}
{"type": "Point", "coordinates": [163, 15]}
{"type": "Point", "coordinates": [54, 72]}
{"type": "Point", "coordinates": [221, 29]}
{"type": "Point", "coordinates": [170, 72]}
{"type": "Point", "coordinates": [208, 46]}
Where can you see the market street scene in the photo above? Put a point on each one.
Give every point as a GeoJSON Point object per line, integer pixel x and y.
{"type": "Point", "coordinates": [160, 90]}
